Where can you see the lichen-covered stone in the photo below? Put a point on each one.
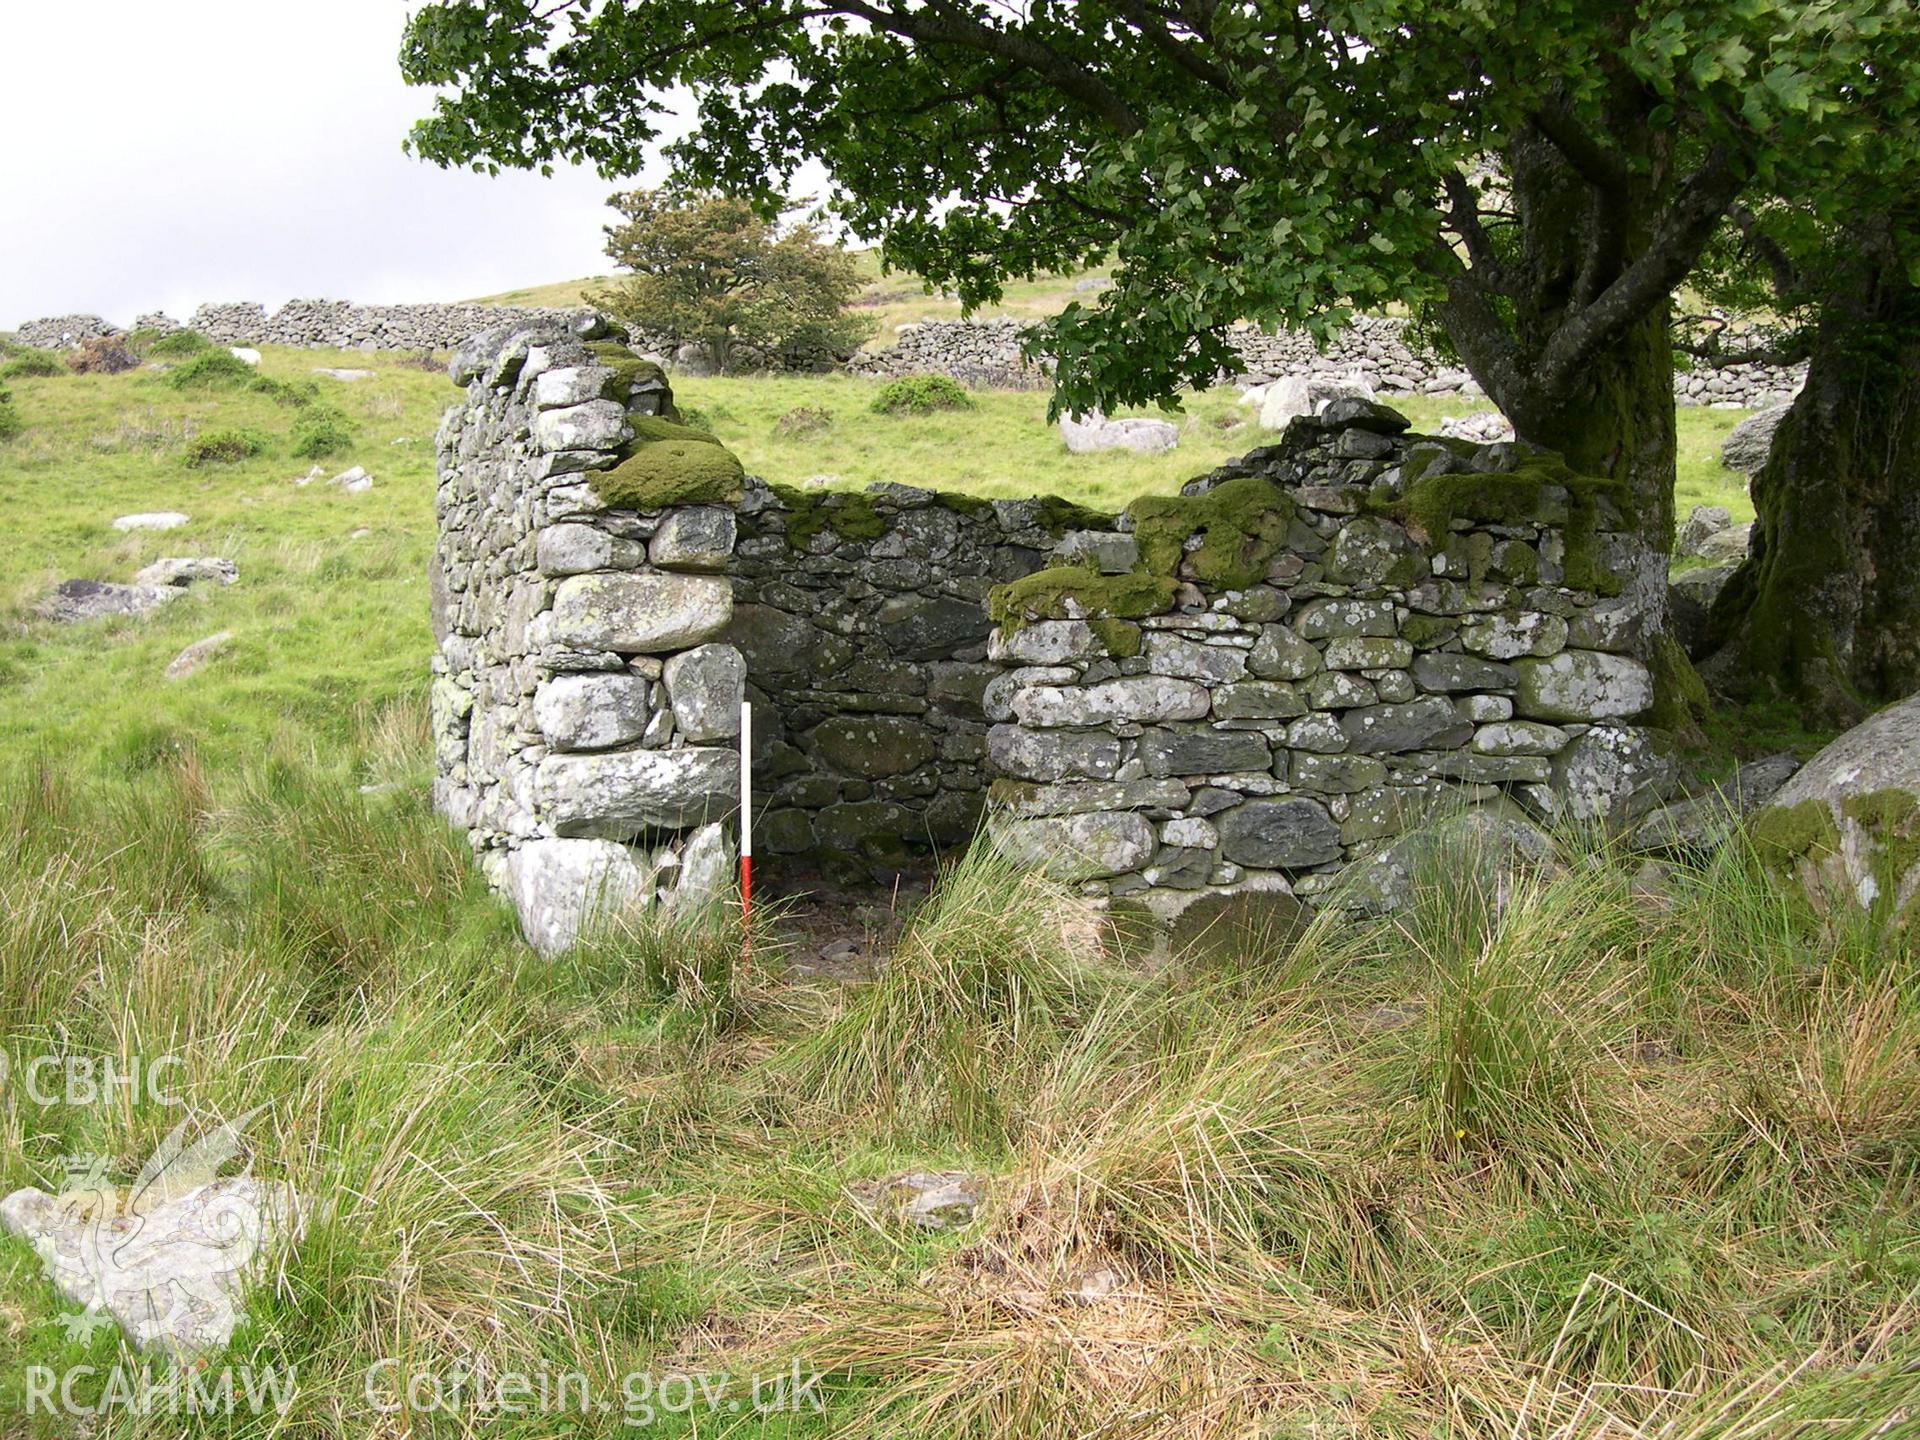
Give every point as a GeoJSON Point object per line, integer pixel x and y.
{"type": "Point", "coordinates": [1078, 847]}
{"type": "Point", "coordinates": [575, 549]}
{"type": "Point", "coordinates": [1142, 699]}
{"type": "Point", "coordinates": [705, 686]}
{"type": "Point", "coordinates": [1429, 724]}
{"type": "Point", "coordinates": [694, 537]}
{"type": "Point", "coordinates": [616, 794]}
{"type": "Point", "coordinates": [1287, 834]}
{"type": "Point", "coordinates": [591, 712]}
{"type": "Point", "coordinates": [1279, 654]}
{"type": "Point", "coordinates": [640, 614]}
{"type": "Point", "coordinates": [565, 889]}
{"type": "Point", "coordinates": [1258, 700]}
{"type": "Point", "coordinates": [1582, 685]}
{"type": "Point", "coordinates": [1202, 752]}
{"type": "Point", "coordinates": [1053, 755]}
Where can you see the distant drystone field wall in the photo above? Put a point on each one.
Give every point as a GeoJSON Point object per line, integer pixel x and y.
{"type": "Point", "coordinates": [1374, 349]}
{"type": "Point", "coordinates": [1226, 706]}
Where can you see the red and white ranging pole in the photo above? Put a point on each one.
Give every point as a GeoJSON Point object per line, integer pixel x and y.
{"type": "Point", "coordinates": [746, 831]}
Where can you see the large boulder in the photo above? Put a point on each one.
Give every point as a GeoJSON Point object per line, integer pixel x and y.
{"type": "Point", "coordinates": [1750, 442]}
{"type": "Point", "coordinates": [564, 888]}
{"type": "Point", "coordinates": [1847, 826]}
{"type": "Point", "coordinates": [1292, 396]}
{"type": "Point", "coordinates": [1087, 433]}
{"type": "Point", "coordinates": [1702, 522]}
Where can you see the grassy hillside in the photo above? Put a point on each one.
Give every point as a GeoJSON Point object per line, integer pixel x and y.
{"type": "Point", "coordinates": [890, 300]}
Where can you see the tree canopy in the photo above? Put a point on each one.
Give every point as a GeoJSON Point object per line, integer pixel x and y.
{"type": "Point", "coordinates": [1275, 162]}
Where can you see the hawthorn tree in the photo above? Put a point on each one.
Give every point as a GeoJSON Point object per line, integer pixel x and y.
{"type": "Point", "coordinates": [1280, 161]}
{"type": "Point", "coordinates": [707, 270]}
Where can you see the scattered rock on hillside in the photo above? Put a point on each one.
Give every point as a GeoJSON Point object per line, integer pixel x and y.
{"type": "Point", "coordinates": [74, 600]}
{"type": "Point", "coordinates": [924, 1199]}
{"type": "Point", "coordinates": [197, 655]}
{"type": "Point", "coordinates": [353, 481]}
{"type": "Point", "coordinates": [185, 570]}
{"type": "Point", "coordinates": [151, 520]}
{"type": "Point", "coordinates": [1847, 826]}
{"type": "Point", "coordinates": [1702, 524]}
{"type": "Point", "coordinates": [1750, 442]}
{"type": "Point", "coordinates": [1087, 433]}
{"type": "Point", "coordinates": [1484, 427]}
{"type": "Point", "coordinates": [334, 373]}
{"type": "Point", "coordinates": [244, 354]}
{"type": "Point", "coordinates": [1728, 546]}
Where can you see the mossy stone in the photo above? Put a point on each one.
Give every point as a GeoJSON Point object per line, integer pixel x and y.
{"type": "Point", "coordinates": [1066, 592]}
{"type": "Point", "coordinates": [1242, 523]}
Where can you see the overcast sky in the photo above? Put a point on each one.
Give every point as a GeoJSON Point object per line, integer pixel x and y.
{"type": "Point", "coordinates": [163, 154]}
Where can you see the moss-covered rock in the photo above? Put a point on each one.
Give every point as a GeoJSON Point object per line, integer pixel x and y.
{"type": "Point", "coordinates": [1241, 523]}
{"type": "Point", "coordinates": [667, 463]}
{"type": "Point", "coordinates": [1540, 490]}
{"type": "Point", "coordinates": [809, 512]}
{"type": "Point", "coordinates": [1067, 592]}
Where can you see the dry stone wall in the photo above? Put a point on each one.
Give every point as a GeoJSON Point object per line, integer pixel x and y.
{"type": "Point", "coordinates": [1232, 702]}
{"type": "Point", "coordinates": [1374, 349]}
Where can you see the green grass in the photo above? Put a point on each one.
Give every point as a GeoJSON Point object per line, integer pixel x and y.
{"type": "Point", "coordinates": [1659, 1165]}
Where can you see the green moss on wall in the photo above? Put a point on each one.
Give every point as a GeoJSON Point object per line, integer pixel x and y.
{"type": "Point", "coordinates": [1056, 516]}
{"type": "Point", "coordinates": [629, 370]}
{"type": "Point", "coordinates": [809, 512]}
{"type": "Point", "coordinates": [1521, 497]}
{"type": "Point", "coordinates": [973, 505]}
{"type": "Point", "coordinates": [1242, 524]}
{"type": "Point", "coordinates": [669, 464]}
{"type": "Point", "coordinates": [1064, 591]}
{"type": "Point", "coordinates": [1121, 637]}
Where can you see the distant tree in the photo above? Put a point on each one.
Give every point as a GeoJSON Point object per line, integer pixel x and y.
{"type": "Point", "coordinates": [707, 270]}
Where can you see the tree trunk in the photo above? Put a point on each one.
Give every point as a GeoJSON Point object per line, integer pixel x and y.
{"type": "Point", "coordinates": [1825, 611]}
{"type": "Point", "coordinates": [1614, 418]}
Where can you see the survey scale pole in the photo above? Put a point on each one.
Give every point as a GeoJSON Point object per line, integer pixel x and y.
{"type": "Point", "coordinates": [746, 832]}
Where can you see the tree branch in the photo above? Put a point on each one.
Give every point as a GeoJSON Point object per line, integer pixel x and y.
{"type": "Point", "coordinates": [1684, 230]}
{"type": "Point", "coordinates": [937, 23]}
